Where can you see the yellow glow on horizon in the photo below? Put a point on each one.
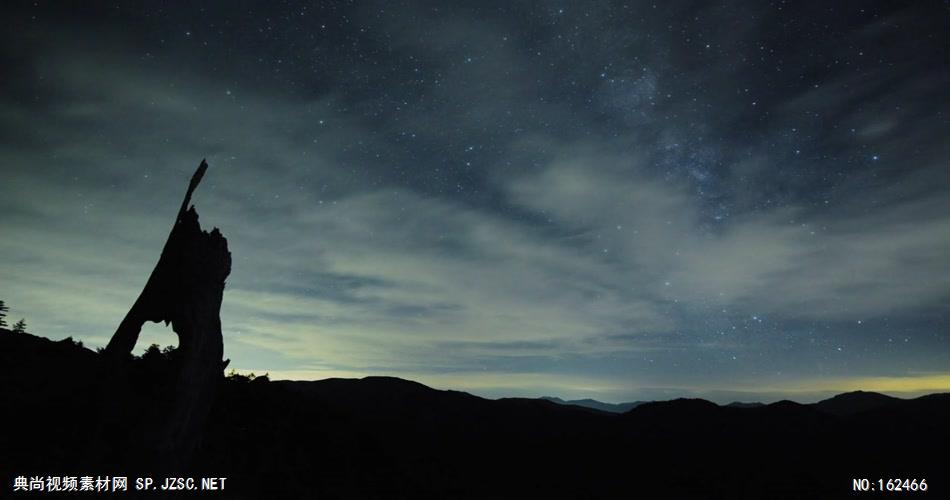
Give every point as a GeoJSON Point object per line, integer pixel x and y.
{"type": "Point", "coordinates": [538, 384]}
{"type": "Point", "coordinates": [901, 386]}
{"type": "Point", "coordinates": [937, 382]}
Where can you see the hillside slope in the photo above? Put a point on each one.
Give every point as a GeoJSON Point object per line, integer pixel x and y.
{"type": "Point", "coordinates": [383, 437]}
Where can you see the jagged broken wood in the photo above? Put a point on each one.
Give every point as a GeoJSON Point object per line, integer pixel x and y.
{"type": "Point", "coordinates": [185, 289]}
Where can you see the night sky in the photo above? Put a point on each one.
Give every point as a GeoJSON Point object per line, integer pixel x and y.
{"type": "Point", "coordinates": [624, 200]}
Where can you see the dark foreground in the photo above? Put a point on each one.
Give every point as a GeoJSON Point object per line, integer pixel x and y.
{"type": "Point", "coordinates": [390, 438]}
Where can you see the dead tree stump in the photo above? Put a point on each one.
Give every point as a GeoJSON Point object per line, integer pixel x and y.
{"type": "Point", "coordinates": [184, 289]}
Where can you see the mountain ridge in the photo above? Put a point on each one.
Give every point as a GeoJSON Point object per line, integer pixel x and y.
{"type": "Point", "coordinates": [386, 437]}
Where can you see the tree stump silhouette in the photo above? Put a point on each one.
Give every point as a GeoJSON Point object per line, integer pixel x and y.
{"type": "Point", "coordinates": [185, 289]}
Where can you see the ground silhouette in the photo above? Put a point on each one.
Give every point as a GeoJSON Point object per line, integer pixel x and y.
{"type": "Point", "coordinates": [384, 437]}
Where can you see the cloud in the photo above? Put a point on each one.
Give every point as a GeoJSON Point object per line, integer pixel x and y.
{"type": "Point", "coordinates": [406, 271]}
{"type": "Point", "coordinates": [426, 272]}
{"type": "Point", "coordinates": [794, 261]}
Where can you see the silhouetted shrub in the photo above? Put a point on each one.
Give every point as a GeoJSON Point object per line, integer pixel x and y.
{"type": "Point", "coordinates": [70, 341]}
{"type": "Point", "coordinates": [234, 376]}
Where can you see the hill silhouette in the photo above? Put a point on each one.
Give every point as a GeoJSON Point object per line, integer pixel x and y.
{"type": "Point", "coordinates": [851, 403]}
{"type": "Point", "coordinates": [384, 437]}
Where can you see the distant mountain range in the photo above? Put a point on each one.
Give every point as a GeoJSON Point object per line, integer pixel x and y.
{"type": "Point", "coordinates": [384, 437]}
{"type": "Point", "coordinates": [842, 405]}
{"type": "Point", "coordinates": [738, 404]}
{"type": "Point", "coordinates": [596, 405]}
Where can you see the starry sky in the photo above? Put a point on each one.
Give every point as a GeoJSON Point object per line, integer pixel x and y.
{"type": "Point", "coordinates": [619, 200]}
